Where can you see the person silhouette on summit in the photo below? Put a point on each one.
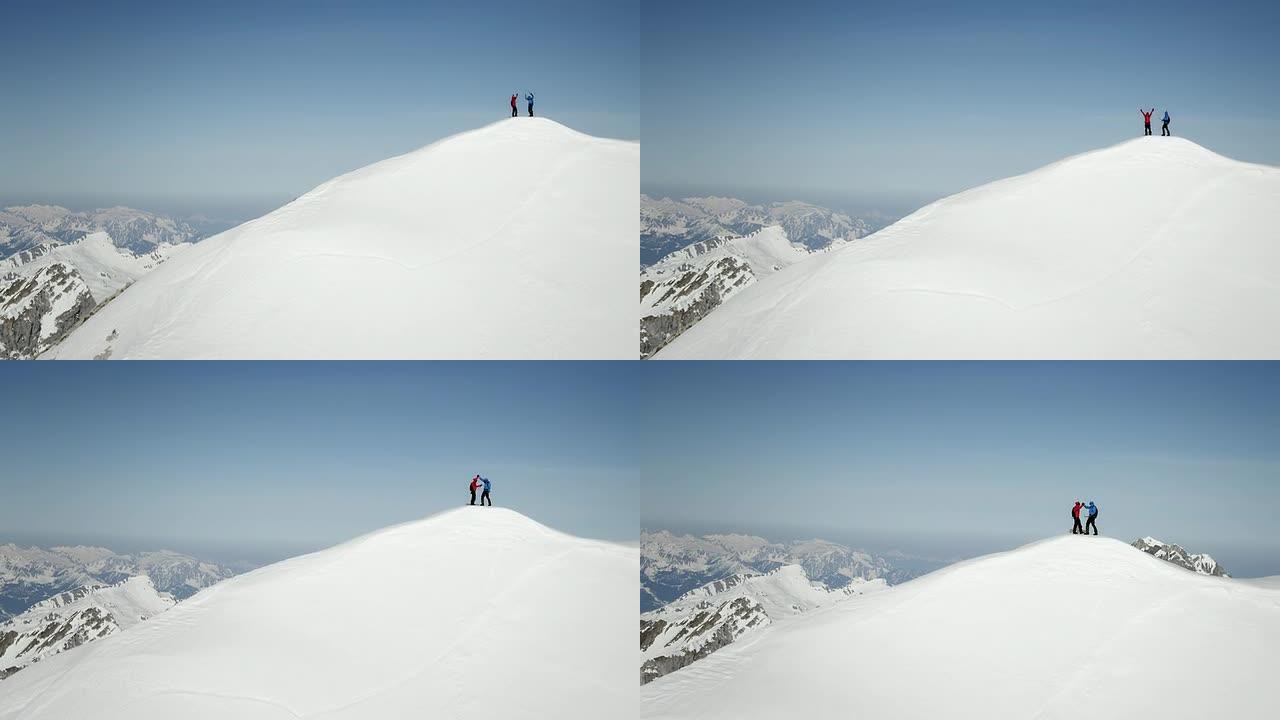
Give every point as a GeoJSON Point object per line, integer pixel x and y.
{"type": "Point", "coordinates": [484, 496]}
{"type": "Point", "coordinates": [514, 97]}
{"type": "Point", "coordinates": [1093, 515]}
{"type": "Point", "coordinates": [475, 483]}
{"type": "Point", "coordinates": [1164, 129]}
{"type": "Point", "coordinates": [1075, 513]}
{"type": "Point", "coordinates": [529, 96]}
{"type": "Point", "coordinates": [1146, 118]}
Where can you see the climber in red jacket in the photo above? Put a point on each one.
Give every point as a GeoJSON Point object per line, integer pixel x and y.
{"type": "Point", "coordinates": [513, 104]}
{"type": "Point", "coordinates": [1146, 118]}
{"type": "Point", "coordinates": [475, 483]}
{"type": "Point", "coordinates": [1075, 513]}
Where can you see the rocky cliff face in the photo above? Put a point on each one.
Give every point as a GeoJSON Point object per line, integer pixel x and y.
{"type": "Point", "coordinates": [1176, 554]}
{"type": "Point", "coordinates": [38, 310]}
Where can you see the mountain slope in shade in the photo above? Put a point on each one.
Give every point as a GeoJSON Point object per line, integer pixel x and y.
{"type": "Point", "coordinates": [721, 612]}
{"type": "Point", "coordinates": [1051, 630]}
{"type": "Point", "coordinates": [73, 618]}
{"type": "Point", "coordinates": [1198, 562]}
{"type": "Point", "coordinates": [516, 240]}
{"type": "Point", "coordinates": [472, 613]}
{"type": "Point", "coordinates": [1153, 248]}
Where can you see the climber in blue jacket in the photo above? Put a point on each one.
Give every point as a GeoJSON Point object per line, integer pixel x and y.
{"type": "Point", "coordinates": [529, 96]}
{"type": "Point", "coordinates": [1093, 516]}
{"type": "Point", "coordinates": [484, 496]}
{"type": "Point", "coordinates": [1164, 129]}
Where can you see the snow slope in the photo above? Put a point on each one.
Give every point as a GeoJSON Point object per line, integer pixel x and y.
{"type": "Point", "coordinates": [516, 240]}
{"type": "Point", "coordinates": [1058, 628]}
{"type": "Point", "coordinates": [1153, 248]}
{"type": "Point", "coordinates": [472, 613]}
{"type": "Point", "coordinates": [70, 619]}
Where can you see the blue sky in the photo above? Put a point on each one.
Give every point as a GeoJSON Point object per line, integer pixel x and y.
{"type": "Point", "coordinates": [261, 460]}
{"type": "Point", "coordinates": [873, 105]}
{"type": "Point", "coordinates": [948, 460]}
{"type": "Point", "coordinates": [236, 107]}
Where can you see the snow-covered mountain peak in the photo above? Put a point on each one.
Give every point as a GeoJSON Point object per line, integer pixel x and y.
{"type": "Point", "coordinates": [1031, 632]}
{"type": "Point", "coordinates": [509, 241]}
{"type": "Point", "coordinates": [412, 620]}
{"type": "Point", "coordinates": [1155, 247]}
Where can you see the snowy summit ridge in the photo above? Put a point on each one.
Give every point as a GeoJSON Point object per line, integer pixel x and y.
{"type": "Point", "coordinates": [1152, 248]}
{"type": "Point", "coordinates": [516, 241]}
{"type": "Point", "coordinates": [438, 617]}
{"type": "Point", "coordinates": [1046, 631]}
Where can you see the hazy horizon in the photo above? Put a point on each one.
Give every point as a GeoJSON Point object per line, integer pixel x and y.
{"type": "Point", "coordinates": [954, 459]}
{"type": "Point", "coordinates": [909, 102]}
{"type": "Point", "coordinates": [262, 460]}
{"type": "Point", "coordinates": [237, 108]}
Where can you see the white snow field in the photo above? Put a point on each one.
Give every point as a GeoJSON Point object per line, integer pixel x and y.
{"type": "Point", "coordinates": [1061, 628]}
{"type": "Point", "coordinates": [1152, 248]}
{"type": "Point", "coordinates": [516, 240]}
{"type": "Point", "coordinates": [472, 613]}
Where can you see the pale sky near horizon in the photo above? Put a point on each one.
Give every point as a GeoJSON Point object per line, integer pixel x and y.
{"type": "Point", "coordinates": [953, 460]}
{"type": "Point", "coordinates": [262, 460]}
{"type": "Point", "coordinates": [235, 108]}
{"type": "Point", "coordinates": [860, 105]}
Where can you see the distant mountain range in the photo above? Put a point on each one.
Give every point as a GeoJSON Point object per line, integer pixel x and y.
{"type": "Point", "coordinates": [672, 565]}
{"type": "Point", "coordinates": [667, 225]}
{"type": "Point", "coordinates": [29, 575]}
{"type": "Point", "coordinates": [30, 226]}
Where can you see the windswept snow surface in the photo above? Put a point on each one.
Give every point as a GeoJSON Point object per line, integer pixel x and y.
{"type": "Point", "coordinates": [1054, 629]}
{"type": "Point", "coordinates": [1153, 248]}
{"type": "Point", "coordinates": [517, 240]}
{"type": "Point", "coordinates": [472, 613]}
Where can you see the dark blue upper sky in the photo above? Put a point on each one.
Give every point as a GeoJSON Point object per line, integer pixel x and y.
{"type": "Point", "coordinates": [885, 104]}
{"type": "Point", "coordinates": [240, 106]}
{"type": "Point", "coordinates": [261, 460]}
{"type": "Point", "coordinates": [955, 459]}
